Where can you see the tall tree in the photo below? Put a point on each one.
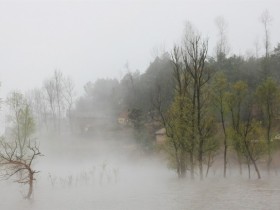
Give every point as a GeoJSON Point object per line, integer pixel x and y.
{"type": "Point", "coordinates": [69, 97]}
{"type": "Point", "coordinates": [266, 20]}
{"type": "Point", "coordinates": [49, 88]}
{"type": "Point", "coordinates": [235, 99]}
{"type": "Point", "coordinates": [59, 89]}
{"type": "Point", "coordinates": [220, 87]}
{"type": "Point", "coordinates": [222, 47]}
{"type": "Point", "coordinates": [194, 55]}
{"type": "Point", "coordinates": [36, 99]}
{"type": "Point", "coordinates": [268, 98]}
{"type": "Point", "coordinates": [55, 96]}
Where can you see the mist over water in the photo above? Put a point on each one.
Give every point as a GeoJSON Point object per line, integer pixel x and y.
{"type": "Point", "coordinates": [102, 173]}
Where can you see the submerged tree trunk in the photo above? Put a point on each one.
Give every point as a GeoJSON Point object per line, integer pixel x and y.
{"type": "Point", "coordinates": [256, 168]}
{"type": "Point", "coordinates": [200, 159]}
{"type": "Point", "coordinates": [177, 161]}
{"type": "Point", "coordinates": [208, 163]}
{"type": "Point", "coordinates": [225, 144]}
{"type": "Point", "coordinates": [240, 164]}
{"type": "Point", "coordinates": [225, 157]}
{"type": "Point", "coordinates": [183, 168]}
{"type": "Point", "coordinates": [253, 160]}
{"type": "Point", "coordinates": [201, 140]}
{"type": "Point", "coordinates": [268, 136]}
{"type": "Point", "coordinates": [192, 165]}
{"type": "Point", "coordinates": [269, 161]}
{"type": "Point", "coordinates": [30, 190]}
{"type": "Point", "coordinates": [249, 168]}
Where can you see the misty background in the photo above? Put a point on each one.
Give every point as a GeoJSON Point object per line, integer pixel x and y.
{"type": "Point", "coordinates": [97, 104]}
{"type": "Point", "coordinates": [83, 39]}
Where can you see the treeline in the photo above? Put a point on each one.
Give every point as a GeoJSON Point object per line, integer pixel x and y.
{"type": "Point", "coordinates": [207, 105]}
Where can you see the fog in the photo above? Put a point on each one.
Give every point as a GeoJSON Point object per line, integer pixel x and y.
{"type": "Point", "coordinates": [139, 104]}
{"type": "Point", "coordinates": [84, 38]}
{"type": "Point", "coordinates": [81, 176]}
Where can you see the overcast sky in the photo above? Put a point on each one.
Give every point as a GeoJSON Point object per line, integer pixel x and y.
{"type": "Point", "coordinates": [92, 39]}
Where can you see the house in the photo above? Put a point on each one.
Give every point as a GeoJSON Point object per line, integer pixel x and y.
{"type": "Point", "coordinates": [160, 136]}
{"type": "Point", "coordinates": [89, 122]}
{"type": "Point", "coordinates": [123, 118]}
{"type": "Point", "coordinates": [276, 137]}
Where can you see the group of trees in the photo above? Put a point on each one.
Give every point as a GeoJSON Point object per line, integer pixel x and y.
{"type": "Point", "coordinates": [53, 103]}
{"type": "Point", "coordinates": [27, 114]}
{"type": "Point", "coordinates": [205, 102]}
{"type": "Point", "coordinates": [189, 122]}
{"type": "Point", "coordinates": [231, 95]}
{"type": "Point", "coordinates": [207, 105]}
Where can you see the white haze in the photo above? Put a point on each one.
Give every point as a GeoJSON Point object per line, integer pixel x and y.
{"type": "Point", "coordinates": [91, 39]}
{"type": "Point", "coordinates": [73, 177]}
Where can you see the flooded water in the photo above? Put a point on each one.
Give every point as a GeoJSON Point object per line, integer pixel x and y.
{"type": "Point", "coordinates": [75, 180]}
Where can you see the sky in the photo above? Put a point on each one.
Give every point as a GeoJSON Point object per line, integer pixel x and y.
{"type": "Point", "coordinates": [87, 40]}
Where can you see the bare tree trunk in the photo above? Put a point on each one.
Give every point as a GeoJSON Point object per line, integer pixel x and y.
{"type": "Point", "coordinates": [225, 157]}
{"type": "Point", "coordinates": [208, 164]}
{"type": "Point", "coordinates": [257, 169]}
{"type": "Point", "coordinates": [192, 165]}
{"type": "Point", "coordinates": [253, 161]}
{"type": "Point", "coordinates": [183, 165]}
{"type": "Point", "coordinates": [200, 159]}
{"type": "Point", "coordinates": [192, 135]}
{"type": "Point", "coordinates": [30, 190]}
{"type": "Point", "coordinates": [268, 141]}
{"type": "Point", "coordinates": [269, 161]}
{"type": "Point", "coordinates": [249, 169]}
{"type": "Point", "coordinates": [177, 162]}
{"type": "Point", "coordinates": [201, 139]}
{"type": "Point", "coordinates": [225, 144]}
{"type": "Point", "coordinates": [240, 164]}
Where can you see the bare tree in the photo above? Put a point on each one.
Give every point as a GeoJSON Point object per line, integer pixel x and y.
{"type": "Point", "coordinates": [58, 87]}
{"type": "Point", "coordinates": [222, 47]}
{"type": "Point", "coordinates": [266, 20]}
{"type": "Point", "coordinates": [55, 96]}
{"type": "Point", "coordinates": [69, 97]}
{"type": "Point", "coordinates": [50, 97]}
{"type": "Point", "coordinates": [17, 154]}
{"type": "Point", "coordinates": [12, 164]}
{"type": "Point", "coordinates": [37, 101]}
